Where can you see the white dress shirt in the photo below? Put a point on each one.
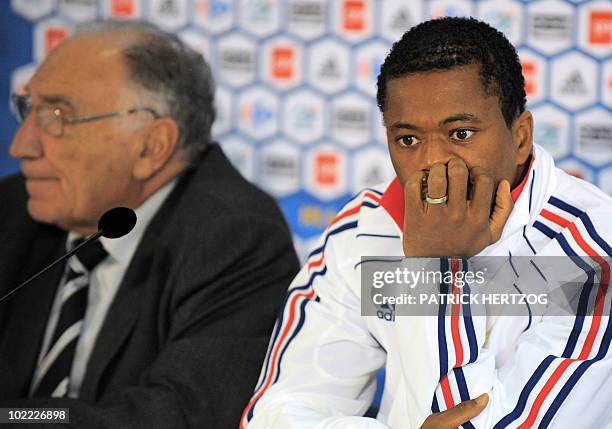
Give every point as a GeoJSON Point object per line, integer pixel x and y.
{"type": "Point", "coordinates": [103, 285]}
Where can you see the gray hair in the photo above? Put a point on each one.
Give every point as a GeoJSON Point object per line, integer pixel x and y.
{"type": "Point", "coordinates": [174, 74]}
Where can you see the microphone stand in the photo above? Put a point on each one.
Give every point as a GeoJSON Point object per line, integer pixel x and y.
{"type": "Point", "coordinates": [54, 263]}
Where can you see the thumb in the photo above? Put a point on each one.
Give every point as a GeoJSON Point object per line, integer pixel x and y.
{"type": "Point", "coordinates": [501, 211]}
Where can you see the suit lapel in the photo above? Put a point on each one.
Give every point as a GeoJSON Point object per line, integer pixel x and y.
{"type": "Point", "coordinates": [118, 323]}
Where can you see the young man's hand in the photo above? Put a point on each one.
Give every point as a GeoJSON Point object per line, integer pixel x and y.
{"type": "Point", "coordinates": [457, 415]}
{"type": "Point", "coordinates": [461, 226]}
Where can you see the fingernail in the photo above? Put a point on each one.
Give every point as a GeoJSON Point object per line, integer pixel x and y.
{"type": "Point", "coordinates": [482, 399]}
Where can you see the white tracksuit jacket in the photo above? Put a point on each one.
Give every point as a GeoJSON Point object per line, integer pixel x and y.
{"type": "Point", "coordinates": [539, 371]}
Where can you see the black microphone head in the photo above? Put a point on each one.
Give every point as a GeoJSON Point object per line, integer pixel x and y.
{"type": "Point", "coordinates": [117, 222]}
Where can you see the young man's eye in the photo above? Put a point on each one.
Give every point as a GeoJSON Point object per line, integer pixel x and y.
{"type": "Point", "coordinates": [407, 141]}
{"type": "Point", "coordinates": [462, 134]}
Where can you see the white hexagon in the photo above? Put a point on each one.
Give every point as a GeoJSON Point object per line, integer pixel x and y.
{"type": "Point", "coordinates": [21, 76]}
{"type": "Point", "coordinates": [123, 9]}
{"type": "Point", "coordinates": [329, 66]}
{"type": "Point", "coordinates": [306, 18]}
{"type": "Point", "coordinates": [440, 8]}
{"type": "Point", "coordinates": [223, 108]}
{"type": "Point", "coordinates": [595, 28]}
{"type": "Point", "coordinates": [241, 154]}
{"type": "Point", "coordinates": [304, 117]}
{"type": "Point", "coordinates": [48, 34]}
{"type": "Point", "coordinates": [260, 17]}
{"type": "Point", "coordinates": [235, 60]}
{"type": "Point", "coordinates": [534, 72]}
{"type": "Point", "coordinates": [282, 62]}
{"type": "Point", "coordinates": [196, 41]}
{"type": "Point", "coordinates": [78, 10]}
{"type": "Point", "coordinates": [168, 14]}
{"type": "Point", "coordinates": [577, 169]}
{"type": "Point", "coordinates": [32, 9]}
{"type": "Point", "coordinates": [369, 58]}
{"type": "Point", "coordinates": [280, 168]}
{"type": "Point", "coordinates": [593, 136]}
{"type": "Point", "coordinates": [214, 16]}
{"type": "Point", "coordinates": [326, 172]}
{"type": "Point", "coordinates": [605, 180]}
{"type": "Point", "coordinates": [551, 130]}
{"type": "Point", "coordinates": [397, 17]}
{"type": "Point", "coordinates": [379, 131]}
{"type": "Point", "coordinates": [574, 81]}
{"type": "Point", "coordinates": [504, 15]}
{"type": "Point", "coordinates": [370, 166]}
{"type": "Point", "coordinates": [353, 19]}
{"type": "Point", "coordinates": [549, 26]}
{"type": "Point", "coordinates": [606, 83]}
{"type": "Point", "coordinates": [351, 115]}
{"type": "Point", "coordinates": [258, 113]}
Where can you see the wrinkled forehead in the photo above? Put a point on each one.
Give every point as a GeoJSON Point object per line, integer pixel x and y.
{"type": "Point", "coordinates": [83, 67]}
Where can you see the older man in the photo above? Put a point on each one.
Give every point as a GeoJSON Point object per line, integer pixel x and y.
{"type": "Point", "coordinates": [469, 183]}
{"type": "Point", "coordinates": [167, 326]}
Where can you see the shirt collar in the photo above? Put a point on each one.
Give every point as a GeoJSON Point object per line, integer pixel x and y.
{"type": "Point", "coordinates": [122, 249]}
{"type": "Point", "coordinates": [393, 197]}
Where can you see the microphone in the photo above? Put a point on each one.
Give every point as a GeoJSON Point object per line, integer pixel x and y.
{"type": "Point", "coordinates": [114, 223]}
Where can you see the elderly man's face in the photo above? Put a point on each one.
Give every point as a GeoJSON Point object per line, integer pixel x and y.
{"type": "Point", "coordinates": [71, 180]}
{"type": "Point", "coordinates": [433, 117]}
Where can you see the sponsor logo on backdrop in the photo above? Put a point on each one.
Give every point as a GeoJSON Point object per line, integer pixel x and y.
{"type": "Point", "coordinates": [259, 16]}
{"type": "Point", "coordinates": [310, 13]}
{"type": "Point", "coordinates": [348, 118]}
{"type": "Point", "coordinates": [236, 59]}
{"type": "Point", "coordinates": [53, 36]}
{"type": "Point", "coordinates": [123, 8]}
{"type": "Point", "coordinates": [596, 137]}
{"type": "Point", "coordinates": [354, 15]}
{"type": "Point", "coordinates": [168, 8]}
{"type": "Point", "coordinates": [548, 135]}
{"type": "Point", "coordinates": [530, 73]}
{"type": "Point", "coordinates": [330, 69]}
{"type": "Point", "coordinates": [326, 169]}
{"type": "Point", "coordinates": [574, 84]}
{"type": "Point", "coordinates": [600, 27]}
{"type": "Point", "coordinates": [550, 26]}
{"type": "Point", "coordinates": [401, 20]}
{"type": "Point", "coordinates": [315, 216]}
{"type": "Point", "coordinates": [256, 113]}
{"type": "Point", "coordinates": [212, 9]}
{"type": "Point", "coordinates": [79, 10]}
{"type": "Point", "coordinates": [282, 64]}
{"type": "Point", "coordinates": [280, 169]}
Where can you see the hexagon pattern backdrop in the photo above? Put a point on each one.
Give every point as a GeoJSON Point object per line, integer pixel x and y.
{"type": "Point", "coordinates": [297, 78]}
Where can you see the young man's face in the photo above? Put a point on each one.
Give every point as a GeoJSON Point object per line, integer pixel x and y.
{"type": "Point", "coordinates": [436, 116]}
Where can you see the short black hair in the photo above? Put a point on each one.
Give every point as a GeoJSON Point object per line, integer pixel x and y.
{"type": "Point", "coordinates": [445, 43]}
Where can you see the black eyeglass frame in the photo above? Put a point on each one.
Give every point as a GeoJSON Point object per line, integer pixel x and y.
{"type": "Point", "coordinates": [22, 106]}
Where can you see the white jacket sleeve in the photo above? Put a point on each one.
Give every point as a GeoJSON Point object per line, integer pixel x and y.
{"type": "Point", "coordinates": [333, 357]}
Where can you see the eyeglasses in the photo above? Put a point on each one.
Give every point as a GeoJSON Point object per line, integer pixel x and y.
{"type": "Point", "coordinates": [51, 119]}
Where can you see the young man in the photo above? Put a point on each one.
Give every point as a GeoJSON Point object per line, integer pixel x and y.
{"type": "Point", "coordinates": [469, 183]}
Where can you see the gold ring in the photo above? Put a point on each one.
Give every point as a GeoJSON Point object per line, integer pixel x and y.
{"type": "Point", "coordinates": [434, 201]}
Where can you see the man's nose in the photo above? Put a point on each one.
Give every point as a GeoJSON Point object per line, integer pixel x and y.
{"type": "Point", "coordinates": [26, 142]}
{"type": "Point", "coordinates": [435, 150]}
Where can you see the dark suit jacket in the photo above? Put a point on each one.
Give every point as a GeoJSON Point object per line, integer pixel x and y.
{"type": "Point", "coordinates": [184, 339]}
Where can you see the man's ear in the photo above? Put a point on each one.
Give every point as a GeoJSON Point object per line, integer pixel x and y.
{"type": "Point", "coordinates": [159, 142]}
{"type": "Point", "coordinates": [522, 135]}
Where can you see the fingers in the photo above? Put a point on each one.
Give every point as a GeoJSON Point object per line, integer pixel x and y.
{"type": "Point", "coordinates": [436, 181]}
{"type": "Point", "coordinates": [413, 202]}
{"type": "Point", "coordinates": [457, 415]}
{"type": "Point", "coordinates": [483, 191]}
{"type": "Point", "coordinates": [501, 211]}
{"type": "Point", "coordinates": [458, 175]}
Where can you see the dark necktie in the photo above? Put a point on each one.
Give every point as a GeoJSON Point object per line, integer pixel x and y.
{"type": "Point", "coordinates": [53, 372]}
